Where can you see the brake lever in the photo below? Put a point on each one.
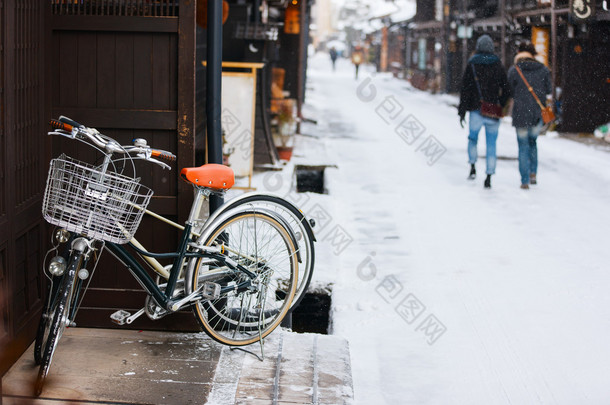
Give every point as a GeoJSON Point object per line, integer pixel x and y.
{"type": "Point", "coordinates": [162, 164]}
{"type": "Point", "coordinates": [62, 133]}
{"type": "Point", "coordinates": [146, 156]}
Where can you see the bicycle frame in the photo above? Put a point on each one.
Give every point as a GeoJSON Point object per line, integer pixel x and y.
{"type": "Point", "coordinates": [145, 280]}
{"type": "Point", "coordinates": [165, 298]}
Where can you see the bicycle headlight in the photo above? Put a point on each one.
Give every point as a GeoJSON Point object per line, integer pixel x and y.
{"type": "Point", "coordinates": [62, 236]}
{"type": "Point", "coordinates": [57, 266]}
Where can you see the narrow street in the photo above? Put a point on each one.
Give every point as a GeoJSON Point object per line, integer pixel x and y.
{"type": "Point", "coordinates": [447, 292]}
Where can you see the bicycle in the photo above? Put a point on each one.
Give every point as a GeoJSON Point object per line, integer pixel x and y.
{"type": "Point", "coordinates": [239, 271]}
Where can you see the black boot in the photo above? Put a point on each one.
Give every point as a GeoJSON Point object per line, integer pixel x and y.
{"type": "Point", "coordinates": [487, 183]}
{"type": "Point", "coordinates": [473, 172]}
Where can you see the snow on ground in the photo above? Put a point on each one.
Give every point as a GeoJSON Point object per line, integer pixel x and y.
{"type": "Point", "coordinates": [449, 293]}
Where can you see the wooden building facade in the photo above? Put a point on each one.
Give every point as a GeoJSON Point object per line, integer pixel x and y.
{"type": "Point", "coordinates": [22, 173]}
{"type": "Point", "coordinates": [573, 39]}
{"type": "Point", "coordinates": [125, 67]}
{"type": "Point", "coordinates": [132, 69]}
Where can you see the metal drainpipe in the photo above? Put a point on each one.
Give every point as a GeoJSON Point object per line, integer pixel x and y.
{"type": "Point", "coordinates": [214, 89]}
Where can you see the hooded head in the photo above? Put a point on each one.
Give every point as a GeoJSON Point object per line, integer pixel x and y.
{"type": "Point", "coordinates": [527, 46]}
{"type": "Point", "coordinates": [485, 44]}
{"type": "Point", "coordinates": [526, 50]}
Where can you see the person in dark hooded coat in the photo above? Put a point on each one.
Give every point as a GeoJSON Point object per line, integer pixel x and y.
{"type": "Point", "coordinates": [492, 87]}
{"type": "Point", "coordinates": [527, 118]}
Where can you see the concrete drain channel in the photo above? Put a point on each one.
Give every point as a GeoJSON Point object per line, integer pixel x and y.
{"type": "Point", "coordinates": [310, 179]}
{"type": "Point", "coordinates": [312, 315]}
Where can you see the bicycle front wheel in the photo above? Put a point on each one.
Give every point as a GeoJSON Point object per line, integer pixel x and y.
{"type": "Point", "coordinates": [59, 311]}
{"type": "Point", "coordinates": [260, 243]}
{"type": "Point", "coordinates": [48, 313]}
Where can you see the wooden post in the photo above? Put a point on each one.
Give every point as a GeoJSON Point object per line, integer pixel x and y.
{"type": "Point", "coordinates": [186, 101]}
{"type": "Point", "coordinates": [465, 38]}
{"type": "Point", "coordinates": [301, 68]}
{"type": "Point", "coordinates": [553, 49]}
{"type": "Point", "coordinates": [503, 32]}
{"type": "Point", "coordinates": [383, 58]}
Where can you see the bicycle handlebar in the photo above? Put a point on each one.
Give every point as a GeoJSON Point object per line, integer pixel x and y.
{"type": "Point", "coordinates": [162, 154]}
{"type": "Point", "coordinates": [72, 129]}
{"type": "Point", "coordinates": [70, 122]}
{"type": "Point", "coordinates": [56, 124]}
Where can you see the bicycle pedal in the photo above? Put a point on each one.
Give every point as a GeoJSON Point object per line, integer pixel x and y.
{"type": "Point", "coordinates": [210, 291]}
{"type": "Point", "coordinates": [120, 317]}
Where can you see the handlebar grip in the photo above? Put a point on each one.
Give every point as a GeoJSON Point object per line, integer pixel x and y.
{"type": "Point", "coordinates": [161, 154]}
{"type": "Point", "coordinates": [70, 122]}
{"type": "Point", "coordinates": [55, 124]}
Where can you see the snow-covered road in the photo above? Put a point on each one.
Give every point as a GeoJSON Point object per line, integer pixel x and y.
{"type": "Point", "coordinates": [449, 293]}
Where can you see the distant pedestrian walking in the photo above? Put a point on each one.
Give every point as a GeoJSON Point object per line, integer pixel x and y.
{"type": "Point", "coordinates": [357, 58]}
{"type": "Point", "coordinates": [333, 56]}
{"type": "Point", "coordinates": [484, 84]}
{"type": "Point", "coordinates": [527, 118]}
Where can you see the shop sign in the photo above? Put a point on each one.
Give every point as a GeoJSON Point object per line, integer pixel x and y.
{"type": "Point", "coordinates": [464, 31]}
{"type": "Point", "coordinates": [422, 60]}
{"type": "Point", "coordinates": [541, 41]}
{"type": "Point", "coordinates": [292, 18]}
{"type": "Point", "coordinates": [582, 9]}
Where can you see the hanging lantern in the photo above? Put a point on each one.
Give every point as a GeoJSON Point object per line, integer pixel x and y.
{"type": "Point", "coordinates": [202, 12]}
{"type": "Point", "coordinates": [292, 18]}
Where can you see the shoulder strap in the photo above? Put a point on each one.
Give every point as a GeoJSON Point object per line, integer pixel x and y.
{"type": "Point", "coordinates": [476, 80]}
{"type": "Point", "coordinates": [529, 87]}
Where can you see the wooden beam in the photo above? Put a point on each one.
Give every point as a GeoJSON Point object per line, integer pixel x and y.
{"type": "Point", "coordinates": [114, 23]}
{"type": "Point", "coordinates": [120, 118]}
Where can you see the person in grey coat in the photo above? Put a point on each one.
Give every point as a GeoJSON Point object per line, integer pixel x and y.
{"type": "Point", "coordinates": [527, 118]}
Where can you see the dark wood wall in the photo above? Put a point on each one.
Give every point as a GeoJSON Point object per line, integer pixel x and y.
{"type": "Point", "coordinates": [128, 69]}
{"type": "Point", "coordinates": [586, 86]}
{"type": "Point", "coordinates": [22, 173]}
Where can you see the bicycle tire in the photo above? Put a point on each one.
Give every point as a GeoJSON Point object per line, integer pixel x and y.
{"type": "Point", "coordinates": [60, 319]}
{"type": "Point", "coordinates": [240, 318]}
{"type": "Point", "coordinates": [300, 228]}
{"type": "Point", "coordinates": [47, 315]}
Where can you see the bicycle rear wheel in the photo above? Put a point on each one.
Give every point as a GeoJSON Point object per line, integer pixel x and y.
{"type": "Point", "coordinates": [261, 244]}
{"type": "Point", "coordinates": [59, 311]}
{"type": "Point", "coordinates": [299, 227]}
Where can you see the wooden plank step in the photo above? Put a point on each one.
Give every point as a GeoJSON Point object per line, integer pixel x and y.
{"type": "Point", "coordinates": [105, 366]}
{"type": "Point", "coordinates": [297, 369]}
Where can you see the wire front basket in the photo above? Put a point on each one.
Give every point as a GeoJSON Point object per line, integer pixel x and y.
{"type": "Point", "coordinates": [88, 200]}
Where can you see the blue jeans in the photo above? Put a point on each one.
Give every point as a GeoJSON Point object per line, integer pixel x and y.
{"type": "Point", "coordinates": [528, 151]}
{"type": "Point", "coordinates": [491, 135]}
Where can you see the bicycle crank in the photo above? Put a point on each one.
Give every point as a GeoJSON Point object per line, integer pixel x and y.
{"type": "Point", "coordinates": [122, 317]}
